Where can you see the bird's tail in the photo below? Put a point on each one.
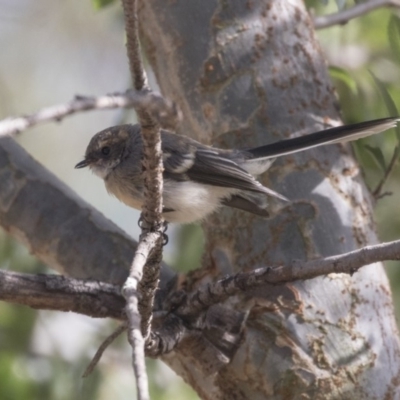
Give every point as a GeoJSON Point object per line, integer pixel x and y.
{"type": "Point", "coordinates": [328, 136]}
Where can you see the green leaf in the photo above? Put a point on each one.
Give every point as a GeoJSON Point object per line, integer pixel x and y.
{"type": "Point", "coordinates": [342, 75]}
{"type": "Point", "coordinates": [99, 4]}
{"type": "Point", "coordinates": [390, 104]}
{"type": "Point", "coordinates": [377, 156]}
{"type": "Point", "coordinates": [394, 35]}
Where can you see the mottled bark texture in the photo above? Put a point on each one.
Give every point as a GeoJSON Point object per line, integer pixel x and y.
{"type": "Point", "coordinates": [55, 292]}
{"type": "Point", "coordinates": [247, 73]}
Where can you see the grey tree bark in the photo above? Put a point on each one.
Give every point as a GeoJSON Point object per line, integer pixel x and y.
{"type": "Point", "coordinates": [245, 73]}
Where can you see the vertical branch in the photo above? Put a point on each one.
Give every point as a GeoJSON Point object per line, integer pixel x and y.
{"type": "Point", "coordinates": [151, 219]}
{"type": "Point", "coordinates": [145, 268]}
{"type": "Point", "coordinates": [138, 73]}
{"type": "Point", "coordinates": [135, 336]}
{"type": "Point", "coordinates": [152, 222]}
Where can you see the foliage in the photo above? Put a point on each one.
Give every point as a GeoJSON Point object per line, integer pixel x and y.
{"type": "Point", "coordinates": [99, 4]}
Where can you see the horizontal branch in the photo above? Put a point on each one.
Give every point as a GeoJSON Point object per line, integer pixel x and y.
{"type": "Point", "coordinates": [342, 17]}
{"type": "Point", "coordinates": [164, 111]}
{"type": "Point", "coordinates": [99, 300]}
{"type": "Point", "coordinates": [54, 292]}
{"type": "Point", "coordinates": [217, 292]}
{"type": "Point", "coordinates": [36, 290]}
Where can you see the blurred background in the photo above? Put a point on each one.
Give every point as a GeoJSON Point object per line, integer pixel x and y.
{"type": "Point", "coordinates": [52, 50]}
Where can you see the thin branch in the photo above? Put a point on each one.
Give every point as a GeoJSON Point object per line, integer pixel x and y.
{"type": "Point", "coordinates": [96, 358]}
{"type": "Point", "coordinates": [138, 73]}
{"type": "Point", "coordinates": [171, 333]}
{"type": "Point", "coordinates": [135, 337]}
{"type": "Point", "coordinates": [165, 112]}
{"type": "Point", "coordinates": [217, 292]}
{"type": "Point", "coordinates": [342, 17]}
{"type": "Point", "coordinates": [45, 291]}
{"type": "Point", "coordinates": [55, 292]}
{"type": "Point", "coordinates": [152, 222]}
{"type": "Point", "coordinates": [149, 251]}
{"type": "Point", "coordinates": [377, 193]}
{"type": "Point", "coordinates": [151, 218]}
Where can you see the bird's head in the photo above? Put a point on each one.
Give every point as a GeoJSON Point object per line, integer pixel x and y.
{"type": "Point", "coordinates": [106, 150]}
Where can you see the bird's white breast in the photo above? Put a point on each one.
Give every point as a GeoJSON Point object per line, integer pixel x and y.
{"type": "Point", "coordinates": [192, 201]}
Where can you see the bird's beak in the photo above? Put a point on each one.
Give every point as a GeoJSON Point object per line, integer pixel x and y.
{"type": "Point", "coordinates": [82, 164]}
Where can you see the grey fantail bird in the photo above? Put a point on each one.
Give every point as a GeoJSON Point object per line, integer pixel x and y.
{"type": "Point", "coordinates": [198, 179]}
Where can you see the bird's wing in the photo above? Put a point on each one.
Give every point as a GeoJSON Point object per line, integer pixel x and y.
{"type": "Point", "coordinates": [188, 160]}
{"type": "Point", "coordinates": [213, 168]}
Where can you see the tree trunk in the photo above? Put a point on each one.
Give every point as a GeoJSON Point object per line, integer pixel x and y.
{"type": "Point", "coordinates": [244, 74]}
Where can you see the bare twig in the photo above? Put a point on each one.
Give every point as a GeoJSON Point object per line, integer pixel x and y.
{"type": "Point", "coordinates": [217, 292]}
{"type": "Point", "coordinates": [149, 251]}
{"type": "Point", "coordinates": [342, 17]}
{"type": "Point", "coordinates": [377, 193]}
{"type": "Point", "coordinates": [102, 348]}
{"type": "Point", "coordinates": [54, 292]}
{"type": "Point", "coordinates": [46, 291]}
{"type": "Point", "coordinates": [165, 112]}
{"type": "Point", "coordinates": [135, 337]}
{"type": "Point", "coordinates": [152, 221]}
{"type": "Point", "coordinates": [138, 73]}
{"type": "Point", "coordinates": [152, 174]}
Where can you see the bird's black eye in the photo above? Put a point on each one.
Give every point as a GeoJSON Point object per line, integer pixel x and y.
{"type": "Point", "coordinates": [105, 151]}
